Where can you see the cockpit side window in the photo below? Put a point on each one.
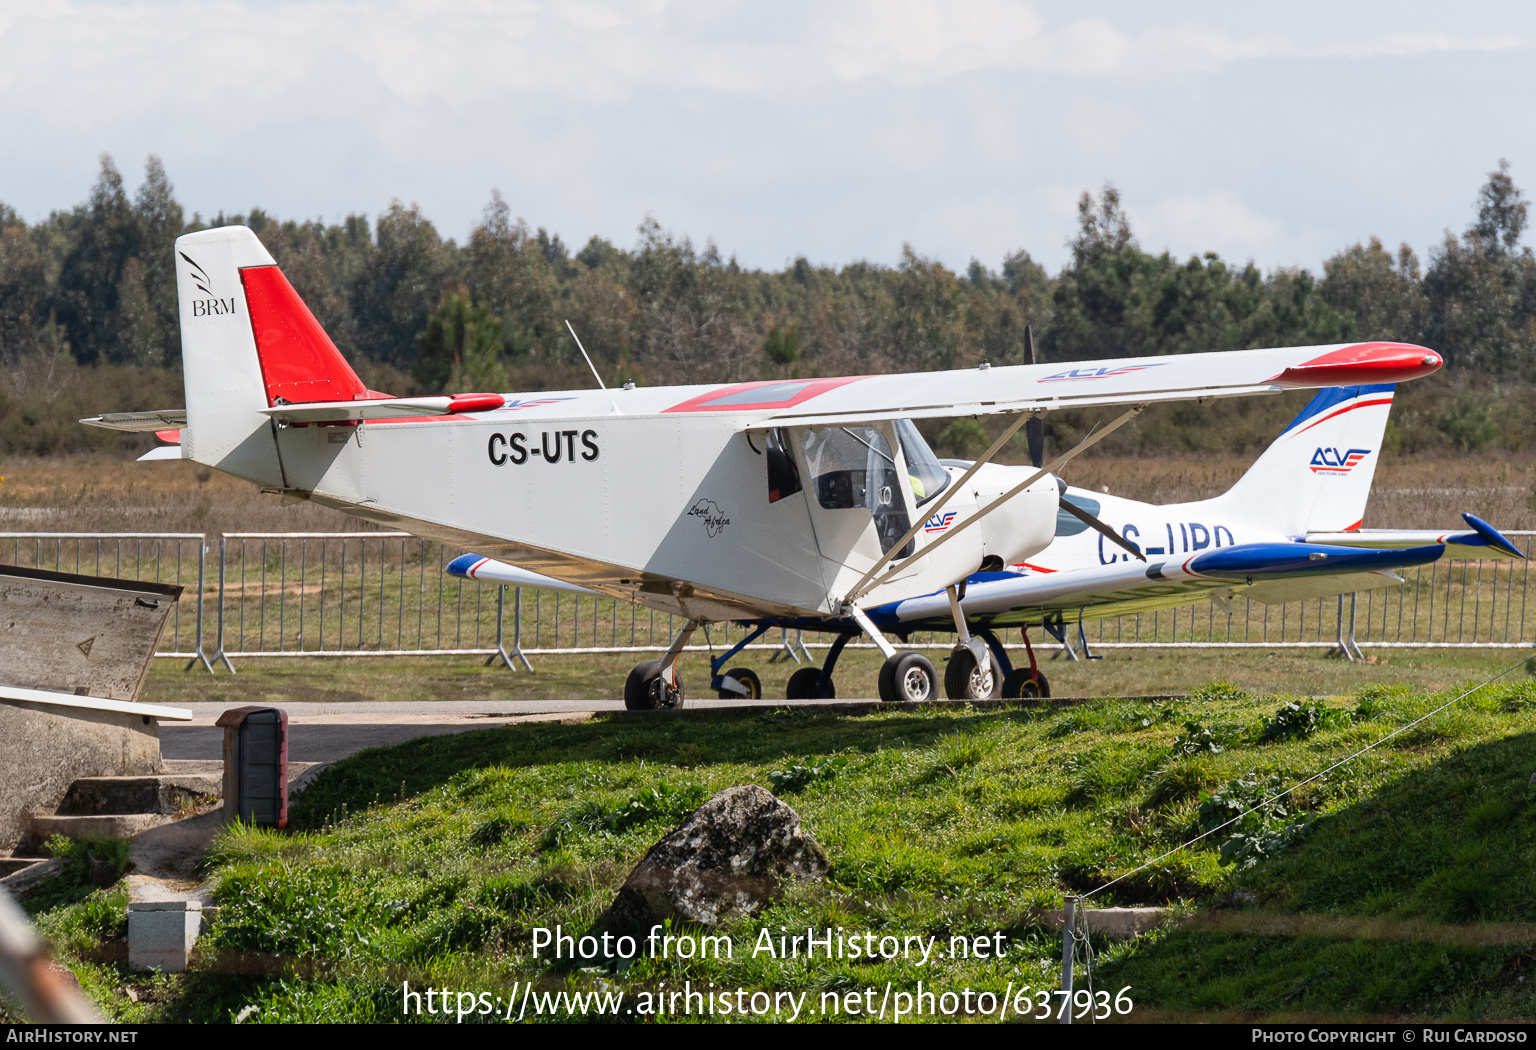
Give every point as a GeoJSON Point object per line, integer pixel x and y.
{"type": "Point", "coordinates": [783, 475]}
{"type": "Point", "coordinates": [925, 475]}
{"type": "Point", "coordinates": [852, 468]}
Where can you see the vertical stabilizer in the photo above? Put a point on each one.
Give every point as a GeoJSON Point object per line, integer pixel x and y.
{"type": "Point", "coordinates": [248, 343]}
{"type": "Point", "coordinates": [220, 368]}
{"type": "Point", "coordinates": [1316, 477]}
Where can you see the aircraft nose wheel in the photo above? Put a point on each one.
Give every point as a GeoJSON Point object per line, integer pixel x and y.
{"type": "Point", "coordinates": [1019, 685]}
{"type": "Point", "coordinates": [908, 678]}
{"type": "Point", "coordinates": [964, 680]}
{"type": "Point", "coordinates": [644, 689]}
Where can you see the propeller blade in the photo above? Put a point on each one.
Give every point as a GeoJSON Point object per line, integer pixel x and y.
{"type": "Point", "coordinates": [1098, 526]}
{"type": "Point", "coordinates": [1034, 433]}
{"type": "Point", "coordinates": [1034, 430]}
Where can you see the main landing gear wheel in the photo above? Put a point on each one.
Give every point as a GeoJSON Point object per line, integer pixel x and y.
{"type": "Point", "coordinates": [749, 680]}
{"type": "Point", "coordinates": [806, 684]}
{"type": "Point", "coordinates": [645, 691]}
{"type": "Point", "coordinates": [964, 680]}
{"type": "Point", "coordinates": [1019, 685]}
{"type": "Point", "coordinates": [908, 678]}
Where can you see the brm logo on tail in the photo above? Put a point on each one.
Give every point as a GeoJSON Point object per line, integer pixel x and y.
{"type": "Point", "coordinates": [1332, 461]}
{"type": "Point", "coordinates": [213, 306]}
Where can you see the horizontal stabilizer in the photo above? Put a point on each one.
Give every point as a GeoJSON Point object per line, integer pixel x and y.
{"type": "Point", "coordinates": [140, 422]}
{"type": "Point", "coordinates": [162, 452]}
{"type": "Point", "coordinates": [1483, 542]}
{"type": "Point", "coordinates": [383, 408]}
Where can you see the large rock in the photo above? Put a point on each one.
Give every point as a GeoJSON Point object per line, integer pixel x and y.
{"type": "Point", "coordinates": [727, 861]}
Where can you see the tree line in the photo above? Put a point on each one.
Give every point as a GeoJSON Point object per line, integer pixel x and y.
{"type": "Point", "coordinates": [417, 312]}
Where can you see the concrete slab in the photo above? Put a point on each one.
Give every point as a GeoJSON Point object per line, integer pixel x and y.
{"type": "Point", "coordinates": [161, 933]}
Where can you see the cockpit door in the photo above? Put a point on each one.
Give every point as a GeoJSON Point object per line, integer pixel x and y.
{"type": "Point", "coordinates": [859, 495]}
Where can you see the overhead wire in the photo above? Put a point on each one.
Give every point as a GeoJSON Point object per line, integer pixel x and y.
{"type": "Point", "coordinates": [1277, 797]}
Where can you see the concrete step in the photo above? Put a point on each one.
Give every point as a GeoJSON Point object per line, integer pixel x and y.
{"type": "Point", "coordinates": [193, 765]}
{"type": "Point", "coordinates": [36, 871]}
{"type": "Point", "coordinates": [116, 825]}
{"type": "Point", "coordinates": [165, 794]}
{"type": "Point", "coordinates": [11, 865]}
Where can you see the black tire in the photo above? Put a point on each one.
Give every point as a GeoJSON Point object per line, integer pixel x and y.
{"type": "Point", "coordinates": [964, 681]}
{"type": "Point", "coordinates": [908, 678]}
{"type": "Point", "coordinates": [1019, 685]}
{"type": "Point", "coordinates": [637, 687]}
{"type": "Point", "coordinates": [645, 691]}
{"type": "Point", "coordinates": [803, 684]}
{"type": "Point", "coordinates": [748, 678]}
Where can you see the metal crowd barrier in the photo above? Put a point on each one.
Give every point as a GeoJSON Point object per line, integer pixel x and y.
{"type": "Point", "coordinates": [161, 557]}
{"type": "Point", "coordinates": [385, 594]}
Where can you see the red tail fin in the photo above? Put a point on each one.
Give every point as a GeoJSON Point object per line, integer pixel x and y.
{"type": "Point", "coordinates": [298, 360]}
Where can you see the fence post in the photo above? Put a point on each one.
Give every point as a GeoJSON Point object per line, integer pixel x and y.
{"type": "Point", "coordinates": [202, 571]}
{"type": "Point", "coordinates": [517, 629]}
{"type": "Point", "coordinates": [219, 653]}
{"type": "Point", "coordinates": [1067, 945]}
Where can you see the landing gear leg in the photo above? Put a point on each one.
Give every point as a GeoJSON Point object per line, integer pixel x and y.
{"type": "Point", "coordinates": [972, 673]}
{"type": "Point", "coordinates": [739, 683]}
{"type": "Point", "coordinates": [815, 683]}
{"type": "Point", "coordinates": [1026, 684]}
{"type": "Point", "coordinates": [654, 685]}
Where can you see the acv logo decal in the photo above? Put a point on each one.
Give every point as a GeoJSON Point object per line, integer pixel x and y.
{"type": "Point", "coordinates": [1095, 373]}
{"type": "Point", "coordinates": [1332, 461]}
{"type": "Point", "coordinates": [715, 520]}
{"type": "Point", "coordinates": [939, 522]}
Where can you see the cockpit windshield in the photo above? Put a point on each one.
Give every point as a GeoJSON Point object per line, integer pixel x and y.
{"type": "Point", "coordinates": [924, 473]}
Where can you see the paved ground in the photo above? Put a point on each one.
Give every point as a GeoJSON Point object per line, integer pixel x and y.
{"type": "Point", "coordinates": [319, 732]}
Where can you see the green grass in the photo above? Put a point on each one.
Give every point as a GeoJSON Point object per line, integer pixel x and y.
{"type": "Point", "coordinates": [432, 862]}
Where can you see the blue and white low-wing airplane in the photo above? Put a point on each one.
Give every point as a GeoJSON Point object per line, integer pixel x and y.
{"type": "Point", "coordinates": [1288, 530]}
{"type": "Point", "coordinates": [801, 500]}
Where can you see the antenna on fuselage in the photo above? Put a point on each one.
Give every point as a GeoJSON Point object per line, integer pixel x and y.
{"type": "Point", "coordinates": [590, 365]}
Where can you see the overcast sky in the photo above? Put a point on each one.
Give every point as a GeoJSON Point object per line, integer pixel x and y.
{"type": "Point", "coordinates": [834, 130]}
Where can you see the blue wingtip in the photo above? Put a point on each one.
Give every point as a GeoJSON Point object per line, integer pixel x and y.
{"type": "Point", "coordinates": [461, 565]}
{"type": "Point", "coordinates": [1492, 536]}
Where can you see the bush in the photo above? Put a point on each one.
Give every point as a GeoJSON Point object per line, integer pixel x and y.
{"type": "Point", "coordinates": [799, 777]}
{"type": "Point", "coordinates": [1298, 719]}
{"type": "Point", "coordinates": [1196, 740]}
{"type": "Point", "coordinates": [1219, 691]}
{"type": "Point", "coordinates": [1254, 835]}
{"type": "Point", "coordinates": [97, 860]}
{"type": "Point", "coordinates": [662, 802]}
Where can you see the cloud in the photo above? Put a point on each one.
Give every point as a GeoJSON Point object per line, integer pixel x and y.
{"type": "Point", "coordinates": [1221, 221]}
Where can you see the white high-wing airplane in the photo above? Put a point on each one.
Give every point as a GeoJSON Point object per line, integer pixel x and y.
{"type": "Point", "coordinates": [1288, 530]}
{"type": "Point", "coordinates": [798, 499]}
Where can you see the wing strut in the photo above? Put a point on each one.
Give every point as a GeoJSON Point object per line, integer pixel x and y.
{"type": "Point", "coordinates": [865, 585]}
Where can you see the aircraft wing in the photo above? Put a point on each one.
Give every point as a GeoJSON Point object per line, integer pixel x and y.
{"type": "Point", "coordinates": [1128, 587]}
{"type": "Point", "coordinates": [1132, 380]}
{"type": "Point", "coordinates": [1483, 541]}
